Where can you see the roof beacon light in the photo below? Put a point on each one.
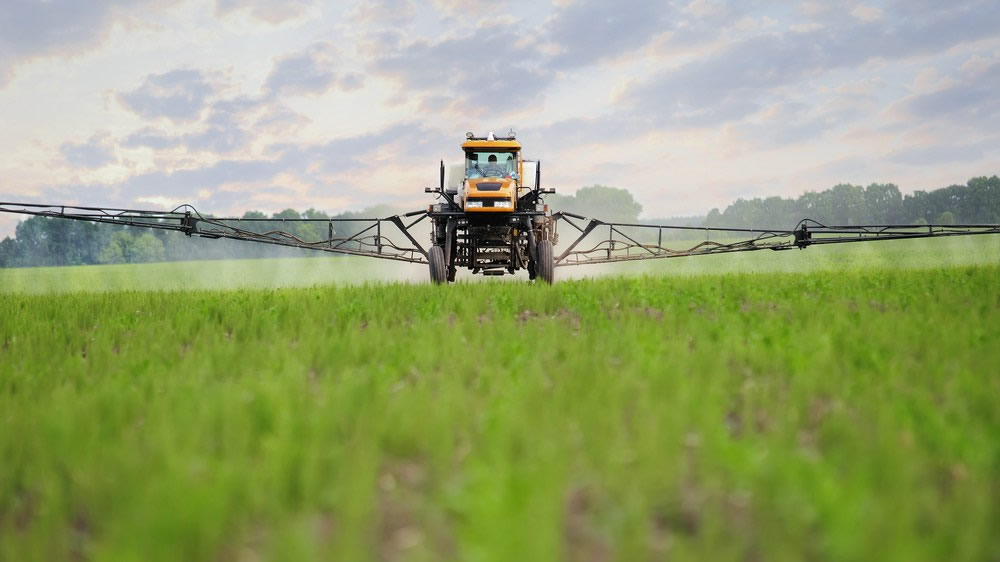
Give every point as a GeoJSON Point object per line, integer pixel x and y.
{"type": "Point", "coordinates": [490, 137]}
{"type": "Point", "coordinates": [469, 135]}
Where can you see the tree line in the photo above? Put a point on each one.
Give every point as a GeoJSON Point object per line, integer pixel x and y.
{"type": "Point", "coordinates": [40, 241]}
{"type": "Point", "coordinates": [976, 202]}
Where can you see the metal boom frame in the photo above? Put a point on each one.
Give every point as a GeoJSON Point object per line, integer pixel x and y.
{"type": "Point", "coordinates": [619, 246]}
{"type": "Point", "coordinates": [368, 241]}
{"type": "Point", "coordinates": [623, 241]}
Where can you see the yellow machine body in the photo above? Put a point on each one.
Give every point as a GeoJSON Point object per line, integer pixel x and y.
{"type": "Point", "coordinates": [496, 190]}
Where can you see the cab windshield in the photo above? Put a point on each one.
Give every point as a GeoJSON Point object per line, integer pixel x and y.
{"type": "Point", "coordinates": [488, 164]}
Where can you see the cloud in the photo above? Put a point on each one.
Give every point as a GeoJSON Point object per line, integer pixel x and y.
{"type": "Point", "coordinates": [679, 83]}
{"type": "Point", "coordinates": [312, 71]}
{"type": "Point", "coordinates": [224, 129]}
{"type": "Point", "coordinates": [471, 70]}
{"type": "Point", "coordinates": [152, 137]}
{"type": "Point", "coordinates": [276, 117]}
{"type": "Point", "coordinates": [945, 153]}
{"type": "Point", "coordinates": [867, 13]}
{"type": "Point", "coordinates": [267, 10]}
{"type": "Point", "coordinates": [734, 82]}
{"type": "Point", "coordinates": [185, 184]}
{"type": "Point", "coordinates": [320, 167]}
{"type": "Point", "coordinates": [787, 123]}
{"type": "Point", "coordinates": [408, 142]}
{"type": "Point", "coordinates": [490, 71]}
{"type": "Point", "coordinates": [94, 153]}
{"type": "Point", "coordinates": [727, 85]}
{"type": "Point", "coordinates": [224, 132]}
{"type": "Point", "coordinates": [970, 99]}
{"type": "Point", "coordinates": [462, 8]}
{"type": "Point", "coordinates": [32, 28]}
{"type": "Point", "coordinates": [582, 131]}
{"type": "Point", "coordinates": [394, 12]}
{"type": "Point", "coordinates": [183, 95]}
{"type": "Point", "coordinates": [178, 95]}
{"type": "Point", "coordinates": [588, 31]}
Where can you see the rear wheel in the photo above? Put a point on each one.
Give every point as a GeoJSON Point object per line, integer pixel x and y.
{"type": "Point", "coordinates": [439, 269]}
{"type": "Point", "coordinates": [545, 265]}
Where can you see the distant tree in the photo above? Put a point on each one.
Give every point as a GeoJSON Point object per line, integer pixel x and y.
{"type": "Point", "coordinates": [983, 200]}
{"type": "Point", "coordinates": [817, 206]}
{"type": "Point", "coordinates": [915, 206]}
{"type": "Point", "coordinates": [124, 247]}
{"type": "Point", "coordinates": [951, 198]}
{"type": "Point", "coordinates": [288, 214]}
{"type": "Point", "coordinates": [277, 225]}
{"type": "Point", "coordinates": [884, 202]}
{"type": "Point", "coordinates": [8, 252]}
{"type": "Point", "coordinates": [608, 203]}
{"type": "Point", "coordinates": [849, 206]}
{"type": "Point", "coordinates": [714, 218]}
{"type": "Point", "coordinates": [314, 231]}
{"type": "Point", "coordinates": [254, 225]}
{"type": "Point", "coordinates": [146, 248]}
{"type": "Point", "coordinates": [118, 248]}
{"type": "Point", "coordinates": [945, 218]}
{"type": "Point", "coordinates": [33, 240]}
{"type": "Point", "coordinates": [314, 214]}
{"type": "Point", "coordinates": [976, 202]}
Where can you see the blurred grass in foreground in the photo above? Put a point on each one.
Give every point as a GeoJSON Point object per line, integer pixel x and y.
{"type": "Point", "coordinates": [847, 411]}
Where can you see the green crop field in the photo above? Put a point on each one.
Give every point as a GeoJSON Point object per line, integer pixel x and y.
{"type": "Point", "coordinates": [830, 404]}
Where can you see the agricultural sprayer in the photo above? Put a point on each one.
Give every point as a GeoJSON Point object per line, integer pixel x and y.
{"type": "Point", "coordinates": [489, 216]}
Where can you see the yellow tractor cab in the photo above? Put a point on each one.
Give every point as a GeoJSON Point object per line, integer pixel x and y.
{"type": "Point", "coordinates": [491, 175]}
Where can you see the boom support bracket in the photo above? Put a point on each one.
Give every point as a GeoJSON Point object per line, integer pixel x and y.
{"type": "Point", "coordinates": [189, 224]}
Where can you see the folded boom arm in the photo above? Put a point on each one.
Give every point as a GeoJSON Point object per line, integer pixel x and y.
{"type": "Point", "coordinates": [385, 238]}
{"type": "Point", "coordinates": [600, 241]}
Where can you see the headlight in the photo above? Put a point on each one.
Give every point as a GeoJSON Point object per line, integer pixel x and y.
{"type": "Point", "coordinates": [503, 204]}
{"type": "Point", "coordinates": [473, 204]}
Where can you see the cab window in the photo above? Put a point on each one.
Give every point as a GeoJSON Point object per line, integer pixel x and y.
{"type": "Point", "coordinates": [492, 164]}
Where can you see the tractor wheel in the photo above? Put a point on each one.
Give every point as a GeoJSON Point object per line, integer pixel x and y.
{"type": "Point", "coordinates": [546, 264]}
{"type": "Point", "coordinates": [439, 270]}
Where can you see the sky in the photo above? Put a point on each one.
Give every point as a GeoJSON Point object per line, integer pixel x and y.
{"type": "Point", "coordinates": [236, 105]}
